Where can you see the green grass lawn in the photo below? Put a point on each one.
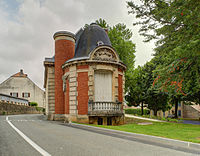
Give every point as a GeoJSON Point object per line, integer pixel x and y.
{"type": "Point", "coordinates": [179, 131]}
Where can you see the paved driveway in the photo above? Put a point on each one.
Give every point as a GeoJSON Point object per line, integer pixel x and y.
{"type": "Point", "coordinates": [191, 122]}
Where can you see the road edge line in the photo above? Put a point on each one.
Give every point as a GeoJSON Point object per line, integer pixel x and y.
{"type": "Point", "coordinates": [34, 145]}
{"type": "Point", "coordinates": [186, 143]}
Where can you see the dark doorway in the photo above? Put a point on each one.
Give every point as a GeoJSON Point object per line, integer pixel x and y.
{"type": "Point", "coordinates": [100, 121]}
{"type": "Point", "coordinates": [109, 120]}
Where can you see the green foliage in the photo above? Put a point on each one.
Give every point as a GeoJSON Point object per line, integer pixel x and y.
{"type": "Point", "coordinates": [39, 108]}
{"type": "Point", "coordinates": [179, 131]}
{"type": "Point", "coordinates": [172, 120]}
{"type": "Point", "coordinates": [33, 104]}
{"type": "Point", "coordinates": [175, 26]}
{"type": "Point", "coordinates": [141, 90]}
{"type": "Point", "coordinates": [137, 88]}
{"type": "Point", "coordinates": [102, 23]}
{"type": "Point", "coordinates": [137, 111]}
{"type": "Point", "coordinates": [157, 101]}
{"type": "Point", "coordinates": [120, 37]}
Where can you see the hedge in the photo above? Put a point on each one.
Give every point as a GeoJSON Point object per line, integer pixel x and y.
{"type": "Point", "coordinates": [137, 111]}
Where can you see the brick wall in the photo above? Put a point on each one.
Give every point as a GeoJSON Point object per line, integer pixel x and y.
{"type": "Point", "coordinates": [120, 88]}
{"type": "Point", "coordinates": [82, 67]}
{"type": "Point", "coordinates": [82, 90]}
{"type": "Point", "coordinates": [120, 70]}
{"type": "Point", "coordinates": [64, 50]}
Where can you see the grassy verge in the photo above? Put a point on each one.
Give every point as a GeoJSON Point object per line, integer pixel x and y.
{"type": "Point", "coordinates": [177, 131]}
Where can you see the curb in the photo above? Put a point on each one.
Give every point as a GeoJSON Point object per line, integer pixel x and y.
{"type": "Point", "coordinates": [137, 117]}
{"type": "Point", "coordinates": [147, 139]}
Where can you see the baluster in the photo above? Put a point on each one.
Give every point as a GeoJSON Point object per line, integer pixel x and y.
{"type": "Point", "coordinates": [99, 105]}
{"type": "Point", "coordinates": [95, 105]}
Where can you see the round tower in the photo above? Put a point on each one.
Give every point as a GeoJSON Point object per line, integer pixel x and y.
{"type": "Point", "coordinates": [64, 50]}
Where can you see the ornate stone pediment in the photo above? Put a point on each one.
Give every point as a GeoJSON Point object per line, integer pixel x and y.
{"type": "Point", "coordinates": [104, 54]}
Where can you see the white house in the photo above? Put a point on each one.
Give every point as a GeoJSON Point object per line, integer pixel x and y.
{"type": "Point", "coordinates": [19, 85]}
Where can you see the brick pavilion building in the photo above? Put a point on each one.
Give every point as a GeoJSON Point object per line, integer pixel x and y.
{"type": "Point", "coordinates": [85, 81]}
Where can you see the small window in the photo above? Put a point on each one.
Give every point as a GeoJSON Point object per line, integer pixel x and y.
{"type": "Point", "coordinates": [163, 114]}
{"type": "Point", "coordinates": [100, 121]}
{"type": "Point", "coordinates": [109, 120]}
{"type": "Point", "coordinates": [100, 43]}
{"type": "Point", "coordinates": [14, 94]}
{"type": "Point", "coordinates": [179, 112]}
{"type": "Point", "coordinates": [25, 95]}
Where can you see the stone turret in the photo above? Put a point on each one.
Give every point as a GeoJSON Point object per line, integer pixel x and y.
{"type": "Point", "coordinates": [64, 50]}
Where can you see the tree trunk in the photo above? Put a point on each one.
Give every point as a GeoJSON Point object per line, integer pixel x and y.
{"type": "Point", "coordinates": [155, 112]}
{"type": "Point", "coordinates": [142, 108]}
{"type": "Point", "coordinates": [176, 108]}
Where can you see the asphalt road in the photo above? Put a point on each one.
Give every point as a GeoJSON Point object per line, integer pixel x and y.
{"type": "Point", "coordinates": [191, 122]}
{"type": "Point", "coordinates": [60, 140]}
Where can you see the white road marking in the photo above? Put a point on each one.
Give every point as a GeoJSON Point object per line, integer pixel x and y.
{"type": "Point", "coordinates": [25, 120]}
{"type": "Point", "coordinates": [34, 145]}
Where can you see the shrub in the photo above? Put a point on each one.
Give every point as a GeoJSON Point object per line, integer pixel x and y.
{"type": "Point", "coordinates": [172, 120]}
{"type": "Point", "coordinates": [33, 104]}
{"type": "Point", "coordinates": [137, 111]}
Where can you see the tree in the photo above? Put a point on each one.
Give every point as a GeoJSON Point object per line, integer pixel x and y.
{"type": "Point", "coordinates": [137, 89]}
{"type": "Point", "coordinates": [120, 37]}
{"type": "Point", "coordinates": [175, 25]}
{"type": "Point", "coordinates": [102, 23]}
{"type": "Point", "coordinates": [141, 90]}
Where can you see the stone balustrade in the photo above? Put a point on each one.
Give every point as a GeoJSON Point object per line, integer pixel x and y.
{"type": "Point", "coordinates": [104, 108]}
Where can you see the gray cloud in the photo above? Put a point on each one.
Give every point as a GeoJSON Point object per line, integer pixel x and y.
{"type": "Point", "coordinates": [26, 38]}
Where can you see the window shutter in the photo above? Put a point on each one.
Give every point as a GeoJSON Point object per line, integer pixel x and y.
{"type": "Point", "coordinates": [10, 94]}
{"type": "Point", "coordinates": [17, 94]}
{"type": "Point", "coordinates": [28, 94]}
{"type": "Point", "coordinates": [22, 94]}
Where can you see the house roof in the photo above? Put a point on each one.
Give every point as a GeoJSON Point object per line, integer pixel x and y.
{"type": "Point", "coordinates": [20, 74]}
{"type": "Point", "coordinates": [87, 40]}
{"type": "Point", "coordinates": [90, 38]}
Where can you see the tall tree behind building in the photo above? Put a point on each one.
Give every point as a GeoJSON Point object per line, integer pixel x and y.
{"type": "Point", "coordinates": [175, 25]}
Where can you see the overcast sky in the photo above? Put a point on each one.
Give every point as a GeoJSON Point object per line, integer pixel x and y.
{"type": "Point", "coordinates": [27, 27]}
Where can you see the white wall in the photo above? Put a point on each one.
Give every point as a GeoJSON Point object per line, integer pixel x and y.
{"type": "Point", "coordinates": [23, 84]}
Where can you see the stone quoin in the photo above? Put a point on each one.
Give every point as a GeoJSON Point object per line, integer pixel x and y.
{"type": "Point", "coordinates": [84, 81]}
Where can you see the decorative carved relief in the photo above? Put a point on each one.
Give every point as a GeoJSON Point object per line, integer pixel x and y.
{"type": "Point", "coordinates": [104, 55]}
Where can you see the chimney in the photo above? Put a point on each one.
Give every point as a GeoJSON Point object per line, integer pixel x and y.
{"type": "Point", "coordinates": [64, 50]}
{"type": "Point", "coordinates": [21, 72]}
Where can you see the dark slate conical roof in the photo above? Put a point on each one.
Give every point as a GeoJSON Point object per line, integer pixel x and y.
{"type": "Point", "coordinates": [90, 38]}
